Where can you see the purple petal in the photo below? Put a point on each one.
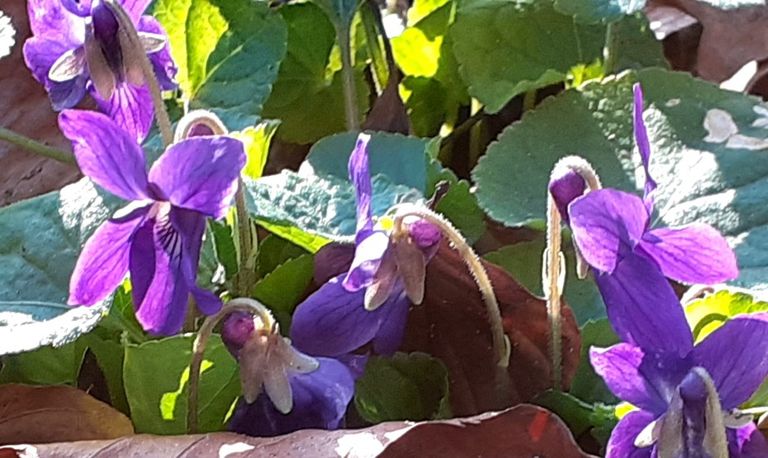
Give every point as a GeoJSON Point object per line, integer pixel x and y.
{"type": "Point", "coordinates": [392, 330]}
{"type": "Point", "coordinates": [424, 234]}
{"type": "Point", "coordinates": [735, 357]}
{"type": "Point", "coordinates": [643, 146]}
{"type": "Point", "coordinates": [50, 19]}
{"type": "Point", "coordinates": [200, 174]}
{"type": "Point", "coordinates": [622, 441]}
{"type": "Point", "coordinates": [747, 442]}
{"type": "Point", "coordinates": [360, 175]}
{"type": "Point", "coordinates": [135, 8]}
{"type": "Point", "coordinates": [237, 328]}
{"type": "Point", "coordinates": [606, 222]}
{"type": "Point", "coordinates": [645, 379]}
{"type": "Point", "coordinates": [103, 263]}
{"type": "Point", "coordinates": [696, 253]}
{"type": "Point", "coordinates": [105, 153]}
{"type": "Point", "coordinates": [160, 291]}
{"type": "Point", "coordinates": [565, 189]}
{"type": "Point", "coordinates": [332, 321]}
{"type": "Point", "coordinates": [368, 254]}
{"type": "Point", "coordinates": [162, 62]}
{"type": "Point", "coordinates": [40, 53]}
{"type": "Point", "coordinates": [643, 308]}
{"type": "Point", "coordinates": [131, 108]}
{"type": "Point", "coordinates": [320, 400]}
{"type": "Point", "coordinates": [81, 8]}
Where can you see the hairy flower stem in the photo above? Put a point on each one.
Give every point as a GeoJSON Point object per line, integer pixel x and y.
{"type": "Point", "coordinates": [161, 114]}
{"type": "Point", "coordinates": [554, 268]}
{"type": "Point", "coordinates": [246, 235]}
{"type": "Point", "coordinates": [501, 345]}
{"type": "Point", "coordinates": [348, 79]}
{"type": "Point", "coordinates": [36, 147]}
{"type": "Point", "coordinates": [241, 304]}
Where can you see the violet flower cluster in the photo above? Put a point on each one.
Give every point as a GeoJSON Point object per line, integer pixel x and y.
{"type": "Point", "coordinates": [686, 395]}
{"type": "Point", "coordinates": [79, 47]}
{"type": "Point", "coordinates": [370, 302]}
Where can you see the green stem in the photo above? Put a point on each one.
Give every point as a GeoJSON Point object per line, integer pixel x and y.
{"type": "Point", "coordinates": [554, 275]}
{"type": "Point", "coordinates": [371, 18]}
{"type": "Point", "coordinates": [247, 243]}
{"type": "Point", "coordinates": [611, 50]}
{"type": "Point", "coordinates": [348, 79]}
{"type": "Point", "coordinates": [36, 147]}
{"type": "Point", "coordinates": [198, 348]}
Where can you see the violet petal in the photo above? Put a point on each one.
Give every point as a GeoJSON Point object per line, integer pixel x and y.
{"type": "Point", "coordinates": [565, 189]}
{"type": "Point", "coordinates": [696, 253]}
{"type": "Point", "coordinates": [622, 441]}
{"type": "Point", "coordinates": [162, 61]}
{"type": "Point", "coordinates": [643, 308]}
{"type": "Point", "coordinates": [360, 175]}
{"type": "Point", "coordinates": [747, 442]}
{"type": "Point", "coordinates": [643, 145]}
{"type": "Point", "coordinates": [131, 108]}
{"type": "Point", "coordinates": [606, 222]}
{"type": "Point", "coordinates": [135, 8]}
{"type": "Point", "coordinates": [735, 357]}
{"type": "Point", "coordinates": [393, 322]}
{"type": "Point", "coordinates": [106, 154]}
{"type": "Point", "coordinates": [103, 263]}
{"type": "Point", "coordinates": [368, 254]}
{"type": "Point", "coordinates": [200, 174]}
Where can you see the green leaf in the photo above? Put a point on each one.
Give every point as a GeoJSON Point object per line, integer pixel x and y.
{"type": "Point", "coordinates": [593, 11]}
{"type": "Point", "coordinates": [523, 261]}
{"type": "Point", "coordinates": [340, 12]}
{"type": "Point", "coordinates": [403, 160]}
{"type": "Point", "coordinates": [224, 247]}
{"type": "Point", "coordinates": [274, 251]}
{"type": "Point", "coordinates": [283, 288]}
{"type": "Point", "coordinates": [713, 174]}
{"type": "Point", "coordinates": [309, 210]}
{"type": "Point", "coordinates": [636, 45]}
{"type": "Point", "coordinates": [586, 384]}
{"type": "Point", "coordinates": [308, 94]}
{"type": "Point", "coordinates": [109, 355]}
{"type": "Point", "coordinates": [228, 53]}
{"type": "Point", "coordinates": [256, 141]}
{"type": "Point", "coordinates": [404, 387]}
{"type": "Point", "coordinates": [502, 51]}
{"type": "Point", "coordinates": [44, 366]}
{"type": "Point", "coordinates": [577, 414]}
{"type": "Point", "coordinates": [155, 376]}
{"type": "Point", "coordinates": [714, 310]}
{"type": "Point", "coordinates": [40, 240]}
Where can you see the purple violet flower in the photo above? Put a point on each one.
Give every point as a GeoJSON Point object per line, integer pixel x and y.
{"type": "Point", "coordinates": [159, 235]}
{"type": "Point", "coordinates": [300, 392]}
{"type": "Point", "coordinates": [78, 46]}
{"type": "Point", "coordinates": [687, 396]}
{"type": "Point", "coordinates": [611, 230]}
{"type": "Point", "coordinates": [370, 302]}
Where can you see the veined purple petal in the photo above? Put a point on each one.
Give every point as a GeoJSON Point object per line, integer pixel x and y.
{"type": "Point", "coordinates": [332, 321]}
{"type": "Point", "coordinates": [622, 441]}
{"type": "Point", "coordinates": [50, 19]}
{"type": "Point", "coordinates": [393, 322]}
{"type": "Point", "coordinates": [320, 400]}
{"type": "Point", "coordinates": [131, 108]}
{"type": "Point", "coordinates": [620, 366]}
{"type": "Point", "coordinates": [360, 175]}
{"type": "Point", "coordinates": [200, 174]}
{"type": "Point", "coordinates": [643, 308]}
{"type": "Point", "coordinates": [106, 154]}
{"type": "Point", "coordinates": [643, 146]}
{"type": "Point", "coordinates": [368, 254]}
{"type": "Point", "coordinates": [696, 253]}
{"type": "Point", "coordinates": [606, 222]}
{"type": "Point", "coordinates": [103, 263]}
{"type": "Point", "coordinates": [736, 357]}
{"type": "Point", "coordinates": [40, 53]}
{"type": "Point", "coordinates": [565, 189]}
{"type": "Point", "coordinates": [162, 62]}
{"type": "Point", "coordinates": [746, 442]}
{"type": "Point", "coordinates": [160, 291]}
{"type": "Point", "coordinates": [135, 8]}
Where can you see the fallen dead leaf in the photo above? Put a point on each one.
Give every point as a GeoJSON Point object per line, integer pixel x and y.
{"type": "Point", "coordinates": [42, 414]}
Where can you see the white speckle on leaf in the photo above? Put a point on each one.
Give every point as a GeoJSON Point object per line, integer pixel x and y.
{"type": "Point", "coordinates": [739, 81]}
{"type": "Point", "coordinates": [762, 116]}
{"type": "Point", "coordinates": [720, 126]}
{"type": "Point", "coordinates": [359, 445]}
{"type": "Point", "coordinates": [743, 142]}
{"type": "Point", "coordinates": [231, 449]}
{"type": "Point", "coordinates": [672, 103]}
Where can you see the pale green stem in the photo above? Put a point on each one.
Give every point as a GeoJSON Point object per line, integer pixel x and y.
{"type": "Point", "coordinates": [611, 50]}
{"type": "Point", "coordinates": [161, 114]}
{"type": "Point", "coordinates": [501, 347]}
{"type": "Point", "coordinates": [242, 304]}
{"type": "Point", "coordinates": [348, 79]}
{"type": "Point", "coordinates": [36, 147]}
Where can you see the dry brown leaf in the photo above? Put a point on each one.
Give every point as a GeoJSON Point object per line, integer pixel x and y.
{"type": "Point", "coordinates": [524, 430]}
{"type": "Point", "coordinates": [42, 414]}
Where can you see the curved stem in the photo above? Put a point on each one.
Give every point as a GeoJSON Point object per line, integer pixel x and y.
{"type": "Point", "coordinates": [36, 147]}
{"type": "Point", "coordinates": [161, 115]}
{"type": "Point", "coordinates": [241, 304]}
{"type": "Point", "coordinates": [501, 345]}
